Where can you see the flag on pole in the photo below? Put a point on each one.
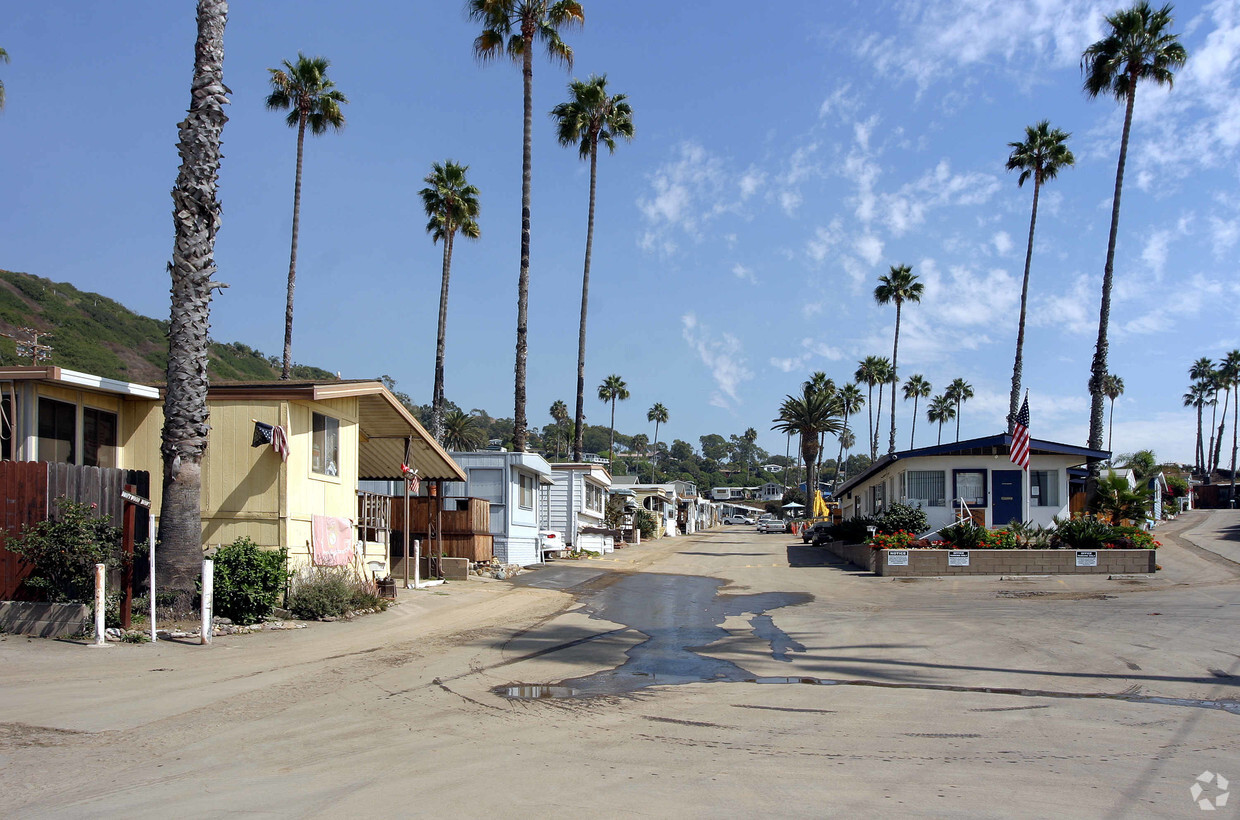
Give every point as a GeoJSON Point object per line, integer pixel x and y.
{"type": "Point", "coordinates": [1020, 437]}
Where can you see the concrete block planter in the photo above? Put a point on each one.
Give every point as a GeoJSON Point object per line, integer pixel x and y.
{"type": "Point", "coordinates": [914, 563]}
{"type": "Point", "coordinates": [43, 620]}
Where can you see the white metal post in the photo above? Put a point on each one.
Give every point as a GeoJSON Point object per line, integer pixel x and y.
{"type": "Point", "coordinates": [100, 604]}
{"type": "Point", "coordinates": [417, 562]}
{"type": "Point", "coordinates": [208, 585]}
{"type": "Point", "coordinates": [150, 534]}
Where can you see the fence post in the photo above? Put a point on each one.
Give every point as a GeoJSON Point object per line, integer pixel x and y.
{"type": "Point", "coordinates": [100, 604]}
{"type": "Point", "coordinates": [208, 608]}
{"type": "Point", "coordinates": [150, 534]}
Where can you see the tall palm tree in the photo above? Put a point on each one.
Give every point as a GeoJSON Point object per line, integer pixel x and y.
{"type": "Point", "coordinates": [916, 388]}
{"type": "Point", "coordinates": [886, 375]}
{"type": "Point", "coordinates": [848, 401]}
{"type": "Point", "coordinates": [1113, 388]}
{"type": "Point", "coordinates": [313, 101]}
{"type": "Point", "coordinates": [613, 389]}
{"type": "Point", "coordinates": [749, 437]}
{"type": "Point", "coordinates": [898, 286]}
{"type": "Point", "coordinates": [1202, 372]}
{"type": "Point", "coordinates": [1222, 384]}
{"type": "Point", "coordinates": [847, 440]}
{"type": "Point", "coordinates": [559, 414]}
{"type": "Point", "coordinates": [451, 205]}
{"type": "Point", "coordinates": [512, 27]}
{"type": "Point", "coordinates": [4, 58]}
{"type": "Point", "coordinates": [461, 432]}
{"type": "Point", "coordinates": [870, 373]}
{"type": "Point", "coordinates": [1231, 367]}
{"type": "Point", "coordinates": [590, 117]}
{"type": "Point", "coordinates": [818, 381]}
{"type": "Point", "coordinates": [658, 414]}
{"type": "Point", "coordinates": [196, 219]}
{"type": "Point", "coordinates": [1137, 46]}
{"type": "Point", "coordinates": [807, 415]}
{"type": "Point", "coordinates": [1197, 396]}
{"type": "Point", "coordinates": [958, 392]}
{"type": "Point", "coordinates": [941, 409]}
{"type": "Point", "coordinates": [1040, 156]}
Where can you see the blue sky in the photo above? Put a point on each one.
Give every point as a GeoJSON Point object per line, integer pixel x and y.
{"type": "Point", "coordinates": [781, 164]}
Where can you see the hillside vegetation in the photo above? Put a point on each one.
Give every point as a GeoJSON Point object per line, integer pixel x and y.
{"type": "Point", "coordinates": [98, 335]}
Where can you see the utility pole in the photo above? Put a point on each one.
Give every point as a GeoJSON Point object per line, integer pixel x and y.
{"type": "Point", "coordinates": [33, 349]}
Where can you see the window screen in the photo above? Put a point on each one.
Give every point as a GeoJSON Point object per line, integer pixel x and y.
{"type": "Point", "coordinates": [325, 445]}
{"type": "Point", "coordinates": [928, 486]}
{"type": "Point", "coordinates": [1044, 488]}
{"type": "Point", "coordinates": [57, 431]}
{"type": "Point", "coordinates": [971, 486]}
{"type": "Point", "coordinates": [98, 438]}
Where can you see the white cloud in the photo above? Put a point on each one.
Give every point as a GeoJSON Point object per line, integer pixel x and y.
{"type": "Point", "coordinates": [742, 272]}
{"type": "Point", "coordinates": [688, 192]}
{"type": "Point", "coordinates": [1155, 252]}
{"type": "Point", "coordinates": [869, 247]}
{"type": "Point", "coordinates": [839, 101]}
{"type": "Point", "coordinates": [939, 187]}
{"type": "Point", "coordinates": [1002, 242]}
{"type": "Point", "coordinates": [1075, 311]}
{"type": "Point", "coordinates": [722, 354]}
{"type": "Point", "coordinates": [823, 241]}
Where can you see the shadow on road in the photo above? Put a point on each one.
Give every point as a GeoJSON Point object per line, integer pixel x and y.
{"type": "Point", "coordinates": [801, 555]}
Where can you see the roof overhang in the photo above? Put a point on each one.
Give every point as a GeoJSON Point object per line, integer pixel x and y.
{"type": "Point", "coordinates": [74, 378]}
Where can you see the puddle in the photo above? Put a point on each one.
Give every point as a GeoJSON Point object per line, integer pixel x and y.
{"type": "Point", "coordinates": [535, 692]}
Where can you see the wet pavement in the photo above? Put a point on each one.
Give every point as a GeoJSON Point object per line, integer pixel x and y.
{"type": "Point", "coordinates": [680, 615]}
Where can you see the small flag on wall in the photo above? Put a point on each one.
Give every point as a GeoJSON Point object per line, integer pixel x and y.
{"type": "Point", "coordinates": [1020, 437]}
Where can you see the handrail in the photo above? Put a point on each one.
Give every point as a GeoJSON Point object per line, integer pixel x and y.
{"type": "Point", "coordinates": [963, 512]}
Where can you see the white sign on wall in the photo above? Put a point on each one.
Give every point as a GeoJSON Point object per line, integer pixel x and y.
{"type": "Point", "coordinates": [1087, 558]}
{"type": "Point", "coordinates": [897, 558]}
{"type": "Point", "coordinates": [958, 558]}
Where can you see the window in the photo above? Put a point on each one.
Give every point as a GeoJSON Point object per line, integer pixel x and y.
{"type": "Point", "coordinates": [1044, 488]}
{"type": "Point", "coordinates": [6, 429]}
{"type": "Point", "coordinates": [878, 498]}
{"type": "Point", "coordinates": [325, 445]}
{"type": "Point", "coordinates": [527, 492]}
{"type": "Point", "coordinates": [98, 438]}
{"type": "Point", "coordinates": [57, 431]}
{"type": "Point", "coordinates": [927, 486]}
{"type": "Point", "coordinates": [970, 485]}
{"type": "Point", "coordinates": [594, 498]}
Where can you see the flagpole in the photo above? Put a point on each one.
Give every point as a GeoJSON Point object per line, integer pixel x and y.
{"type": "Point", "coordinates": [1028, 476]}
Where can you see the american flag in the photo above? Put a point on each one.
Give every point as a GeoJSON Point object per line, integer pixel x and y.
{"type": "Point", "coordinates": [1020, 437]}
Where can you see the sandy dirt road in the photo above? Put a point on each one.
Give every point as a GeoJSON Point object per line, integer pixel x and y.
{"type": "Point", "coordinates": [729, 673]}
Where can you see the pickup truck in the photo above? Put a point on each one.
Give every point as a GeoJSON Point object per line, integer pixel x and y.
{"type": "Point", "coordinates": [737, 519]}
{"type": "Point", "coordinates": [771, 525]}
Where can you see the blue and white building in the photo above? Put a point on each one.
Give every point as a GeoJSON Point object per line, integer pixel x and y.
{"type": "Point", "coordinates": [513, 483]}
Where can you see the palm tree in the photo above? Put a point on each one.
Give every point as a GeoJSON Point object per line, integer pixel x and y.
{"type": "Point", "coordinates": [1231, 367]}
{"type": "Point", "coordinates": [916, 388]}
{"type": "Point", "coordinates": [848, 401]}
{"type": "Point", "coordinates": [941, 409]}
{"type": "Point", "coordinates": [613, 389]}
{"type": "Point", "coordinates": [958, 392]}
{"type": "Point", "coordinates": [1222, 384]}
{"type": "Point", "coordinates": [886, 375]}
{"type": "Point", "coordinates": [512, 27]}
{"type": "Point", "coordinates": [898, 286]}
{"type": "Point", "coordinates": [313, 100]}
{"type": "Point", "coordinates": [870, 373]}
{"type": "Point", "coordinates": [588, 118]}
{"type": "Point", "coordinates": [658, 414]}
{"type": "Point", "coordinates": [1201, 372]}
{"type": "Point", "coordinates": [807, 415]}
{"type": "Point", "coordinates": [1040, 156]}
{"type": "Point", "coordinates": [1113, 387]}
{"type": "Point", "coordinates": [1197, 396]}
{"type": "Point", "coordinates": [1137, 46]}
{"type": "Point", "coordinates": [847, 440]}
{"type": "Point", "coordinates": [749, 437]}
{"type": "Point", "coordinates": [460, 431]}
{"type": "Point", "coordinates": [451, 205]}
{"type": "Point", "coordinates": [819, 382]}
{"type": "Point", "coordinates": [4, 58]}
{"type": "Point", "coordinates": [196, 219]}
{"type": "Point", "coordinates": [559, 414]}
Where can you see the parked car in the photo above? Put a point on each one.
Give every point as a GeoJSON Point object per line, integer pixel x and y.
{"type": "Point", "coordinates": [738, 519]}
{"type": "Point", "coordinates": [550, 541]}
{"type": "Point", "coordinates": [772, 525]}
{"type": "Point", "coordinates": [815, 532]}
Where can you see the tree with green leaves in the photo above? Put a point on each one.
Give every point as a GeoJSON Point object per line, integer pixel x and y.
{"type": "Point", "coordinates": [848, 401]}
{"type": "Point", "coordinates": [1202, 374]}
{"type": "Point", "coordinates": [312, 101]}
{"type": "Point", "coordinates": [819, 382]}
{"type": "Point", "coordinates": [613, 389]}
{"type": "Point", "coordinates": [559, 414]}
{"type": "Point", "coordinates": [1113, 388]}
{"type": "Point", "coordinates": [591, 116]}
{"type": "Point", "coordinates": [1040, 157]}
{"type": "Point", "coordinates": [872, 372]}
{"type": "Point", "coordinates": [1196, 397]}
{"type": "Point", "coordinates": [750, 437]}
{"type": "Point", "coordinates": [941, 409]}
{"type": "Point", "coordinates": [1118, 500]}
{"type": "Point", "coordinates": [461, 432]}
{"type": "Point", "coordinates": [807, 415]}
{"type": "Point", "coordinates": [451, 206]}
{"type": "Point", "coordinates": [896, 287]}
{"type": "Point", "coordinates": [1231, 371]}
{"type": "Point", "coordinates": [657, 414]}
{"type": "Point", "coordinates": [512, 28]}
{"type": "Point", "coordinates": [4, 58]}
{"type": "Point", "coordinates": [1138, 46]}
{"type": "Point", "coordinates": [196, 220]}
{"type": "Point", "coordinates": [916, 388]}
{"type": "Point", "coordinates": [958, 392]}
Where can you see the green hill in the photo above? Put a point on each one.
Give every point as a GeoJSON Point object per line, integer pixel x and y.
{"type": "Point", "coordinates": [98, 335]}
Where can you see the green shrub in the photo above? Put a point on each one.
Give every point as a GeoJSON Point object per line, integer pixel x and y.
{"type": "Point", "coordinates": [964, 535]}
{"type": "Point", "coordinates": [646, 523]}
{"type": "Point", "coordinates": [248, 580]}
{"type": "Point", "coordinates": [1132, 538]}
{"type": "Point", "coordinates": [1083, 533]}
{"type": "Point", "coordinates": [892, 540]}
{"type": "Point", "coordinates": [64, 552]}
{"type": "Point", "coordinates": [325, 592]}
{"type": "Point", "coordinates": [902, 517]}
{"type": "Point", "coordinates": [853, 531]}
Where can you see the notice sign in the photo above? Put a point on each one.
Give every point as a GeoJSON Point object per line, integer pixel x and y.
{"type": "Point", "coordinates": [897, 558]}
{"type": "Point", "coordinates": [1087, 558]}
{"type": "Point", "coordinates": [957, 558]}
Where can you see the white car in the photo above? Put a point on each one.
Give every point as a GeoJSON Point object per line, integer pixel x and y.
{"type": "Point", "coordinates": [771, 525]}
{"type": "Point", "coordinates": [737, 519]}
{"type": "Point", "coordinates": [550, 541]}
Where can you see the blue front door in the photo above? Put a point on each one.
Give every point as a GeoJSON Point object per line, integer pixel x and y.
{"type": "Point", "coordinates": [1005, 496]}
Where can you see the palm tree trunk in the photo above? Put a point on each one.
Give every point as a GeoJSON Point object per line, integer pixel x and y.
{"type": "Point", "coordinates": [519, 432]}
{"type": "Point", "coordinates": [895, 352]}
{"type": "Point", "coordinates": [874, 439]}
{"type": "Point", "coordinates": [940, 441]}
{"type": "Point", "coordinates": [839, 457]}
{"type": "Point", "coordinates": [654, 459]}
{"type": "Point", "coordinates": [870, 407]}
{"type": "Point", "coordinates": [292, 256]}
{"type": "Point", "coordinates": [1235, 417]}
{"type": "Point", "coordinates": [1213, 418]}
{"type": "Point", "coordinates": [437, 398]}
{"type": "Point", "coordinates": [958, 403]}
{"type": "Point", "coordinates": [1200, 453]}
{"type": "Point", "coordinates": [787, 458]}
{"type": "Point", "coordinates": [611, 445]}
{"type": "Point", "coordinates": [1098, 372]}
{"type": "Point", "coordinates": [578, 442]}
{"type": "Point", "coordinates": [1222, 429]}
{"type": "Point", "coordinates": [196, 218]}
{"type": "Point", "coordinates": [1018, 367]}
{"type": "Point", "coordinates": [1110, 424]}
{"type": "Point", "coordinates": [912, 437]}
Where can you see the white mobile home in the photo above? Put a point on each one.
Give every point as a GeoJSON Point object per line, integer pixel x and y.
{"type": "Point", "coordinates": [575, 502]}
{"type": "Point", "coordinates": [511, 482]}
{"type": "Point", "coordinates": [976, 475]}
